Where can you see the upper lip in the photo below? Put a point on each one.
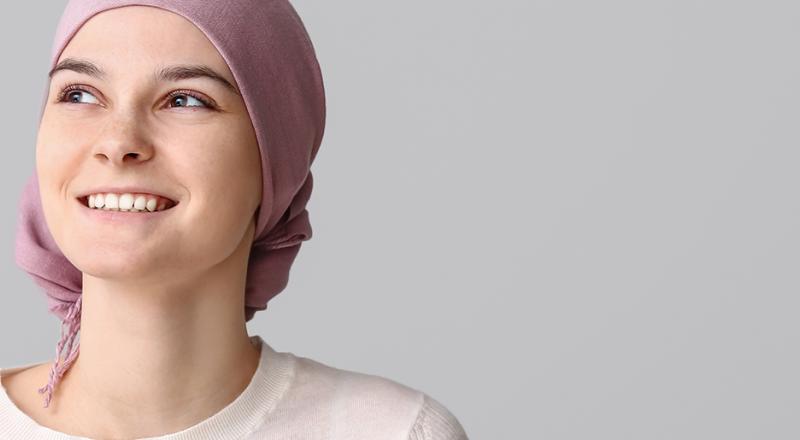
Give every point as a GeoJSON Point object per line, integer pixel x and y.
{"type": "Point", "coordinates": [126, 189]}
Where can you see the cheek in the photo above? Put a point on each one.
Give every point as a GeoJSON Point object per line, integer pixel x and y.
{"type": "Point", "coordinates": [59, 147]}
{"type": "Point", "coordinates": [223, 177]}
{"type": "Point", "coordinates": [57, 162]}
{"type": "Point", "coordinates": [228, 168]}
{"type": "Point", "coordinates": [45, 150]}
{"type": "Point", "coordinates": [219, 210]}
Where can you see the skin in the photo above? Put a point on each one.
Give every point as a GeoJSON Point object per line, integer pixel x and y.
{"type": "Point", "coordinates": [164, 343]}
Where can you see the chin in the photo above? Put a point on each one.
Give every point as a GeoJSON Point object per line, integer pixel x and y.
{"type": "Point", "coordinates": [117, 262]}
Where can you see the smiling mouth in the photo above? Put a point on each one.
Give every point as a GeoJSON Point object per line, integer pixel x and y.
{"type": "Point", "coordinates": [140, 203]}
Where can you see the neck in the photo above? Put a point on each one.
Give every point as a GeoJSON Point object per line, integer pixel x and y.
{"type": "Point", "coordinates": [160, 357]}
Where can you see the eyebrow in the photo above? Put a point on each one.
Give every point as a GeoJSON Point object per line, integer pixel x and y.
{"type": "Point", "coordinates": [171, 73]}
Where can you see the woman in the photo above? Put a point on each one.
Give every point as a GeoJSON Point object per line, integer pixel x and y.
{"type": "Point", "coordinates": [168, 204]}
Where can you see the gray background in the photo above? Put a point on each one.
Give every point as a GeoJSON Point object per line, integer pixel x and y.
{"type": "Point", "coordinates": [562, 219]}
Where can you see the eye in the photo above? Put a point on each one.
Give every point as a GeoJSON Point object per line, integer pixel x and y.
{"type": "Point", "coordinates": [73, 94]}
{"type": "Point", "coordinates": [182, 98]}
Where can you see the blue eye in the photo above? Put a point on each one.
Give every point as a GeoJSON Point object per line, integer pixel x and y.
{"type": "Point", "coordinates": [69, 93]}
{"type": "Point", "coordinates": [73, 94]}
{"type": "Point", "coordinates": [183, 97]}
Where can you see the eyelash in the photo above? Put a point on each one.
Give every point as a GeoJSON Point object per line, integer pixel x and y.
{"type": "Point", "coordinates": [77, 87]}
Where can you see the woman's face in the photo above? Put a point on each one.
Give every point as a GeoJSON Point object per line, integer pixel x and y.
{"type": "Point", "coordinates": [131, 127]}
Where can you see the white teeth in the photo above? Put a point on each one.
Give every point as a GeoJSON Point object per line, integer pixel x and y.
{"type": "Point", "coordinates": [126, 202]}
{"type": "Point", "coordinates": [140, 203]}
{"type": "Point", "coordinates": [112, 201]}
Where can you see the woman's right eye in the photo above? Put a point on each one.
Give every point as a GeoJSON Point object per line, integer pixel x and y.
{"type": "Point", "coordinates": [73, 95]}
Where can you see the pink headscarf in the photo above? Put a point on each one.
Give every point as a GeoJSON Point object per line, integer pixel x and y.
{"type": "Point", "coordinates": [273, 61]}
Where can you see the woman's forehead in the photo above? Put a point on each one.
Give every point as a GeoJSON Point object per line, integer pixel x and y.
{"type": "Point", "coordinates": [143, 37]}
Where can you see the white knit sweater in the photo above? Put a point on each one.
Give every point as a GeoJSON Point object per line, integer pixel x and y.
{"type": "Point", "coordinates": [292, 397]}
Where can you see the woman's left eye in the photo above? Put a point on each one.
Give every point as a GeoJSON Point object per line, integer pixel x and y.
{"type": "Point", "coordinates": [181, 98]}
{"type": "Point", "coordinates": [184, 97]}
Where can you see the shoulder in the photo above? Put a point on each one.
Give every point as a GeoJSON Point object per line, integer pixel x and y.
{"type": "Point", "coordinates": [362, 389]}
{"type": "Point", "coordinates": [13, 377]}
{"type": "Point", "coordinates": [435, 422]}
{"type": "Point", "coordinates": [20, 385]}
{"type": "Point", "coordinates": [377, 405]}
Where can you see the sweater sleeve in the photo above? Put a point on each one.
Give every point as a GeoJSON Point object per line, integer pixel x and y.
{"type": "Point", "coordinates": [435, 422]}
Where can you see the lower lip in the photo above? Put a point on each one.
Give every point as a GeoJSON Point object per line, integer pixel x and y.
{"type": "Point", "coordinates": [121, 217]}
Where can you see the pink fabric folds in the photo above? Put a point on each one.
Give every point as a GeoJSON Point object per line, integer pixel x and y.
{"type": "Point", "coordinates": [268, 49]}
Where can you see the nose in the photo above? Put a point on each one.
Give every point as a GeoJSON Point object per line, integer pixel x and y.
{"type": "Point", "coordinates": [124, 140]}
